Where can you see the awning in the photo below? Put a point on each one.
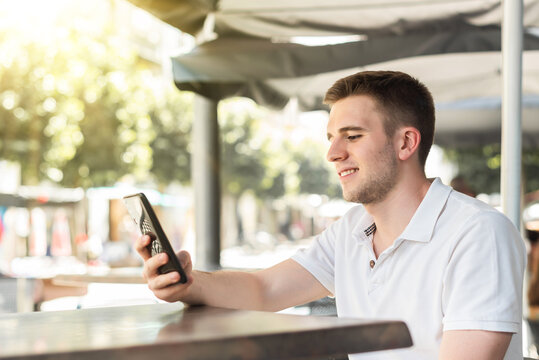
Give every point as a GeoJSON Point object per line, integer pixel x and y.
{"type": "Point", "coordinates": [285, 18]}
{"type": "Point", "coordinates": [452, 46]}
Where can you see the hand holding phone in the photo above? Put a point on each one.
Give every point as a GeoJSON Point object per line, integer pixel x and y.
{"type": "Point", "coordinates": [141, 211]}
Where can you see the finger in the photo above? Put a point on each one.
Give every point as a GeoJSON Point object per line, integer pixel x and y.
{"type": "Point", "coordinates": [152, 265]}
{"type": "Point", "coordinates": [141, 246]}
{"type": "Point", "coordinates": [163, 281]}
{"type": "Point", "coordinates": [172, 292]}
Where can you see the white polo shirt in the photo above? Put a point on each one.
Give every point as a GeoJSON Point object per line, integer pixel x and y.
{"type": "Point", "coordinates": [458, 265]}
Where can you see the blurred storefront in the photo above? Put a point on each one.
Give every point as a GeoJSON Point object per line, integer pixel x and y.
{"type": "Point", "coordinates": [46, 232]}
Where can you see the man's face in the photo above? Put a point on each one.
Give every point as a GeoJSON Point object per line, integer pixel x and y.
{"type": "Point", "coordinates": [364, 157]}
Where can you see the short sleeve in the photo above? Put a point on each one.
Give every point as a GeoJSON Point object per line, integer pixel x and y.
{"type": "Point", "coordinates": [319, 257]}
{"type": "Point", "coordinates": [482, 287]}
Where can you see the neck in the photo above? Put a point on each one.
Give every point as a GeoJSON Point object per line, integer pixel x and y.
{"type": "Point", "coordinates": [393, 214]}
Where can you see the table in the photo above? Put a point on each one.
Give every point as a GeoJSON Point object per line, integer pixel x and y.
{"type": "Point", "coordinates": [131, 275]}
{"type": "Point", "coordinates": [173, 331]}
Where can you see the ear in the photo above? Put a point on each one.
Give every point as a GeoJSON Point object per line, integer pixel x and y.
{"type": "Point", "coordinates": [409, 139]}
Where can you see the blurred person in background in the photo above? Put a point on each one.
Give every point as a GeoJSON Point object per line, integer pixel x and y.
{"type": "Point", "coordinates": [532, 233]}
{"type": "Point", "coordinates": [460, 184]}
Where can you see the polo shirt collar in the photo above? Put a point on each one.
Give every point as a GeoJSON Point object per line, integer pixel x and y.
{"type": "Point", "coordinates": [421, 227]}
{"type": "Point", "coordinates": [364, 227]}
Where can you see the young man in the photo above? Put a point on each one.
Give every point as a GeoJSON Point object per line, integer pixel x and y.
{"type": "Point", "coordinates": [447, 264]}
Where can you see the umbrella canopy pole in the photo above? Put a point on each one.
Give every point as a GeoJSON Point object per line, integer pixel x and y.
{"type": "Point", "coordinates": [511, 159]}
{"type": "Point", "coordinates": [206, 182]}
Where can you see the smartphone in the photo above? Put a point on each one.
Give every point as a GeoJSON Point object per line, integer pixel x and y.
{"type": "Point", "coordinates": [140, 209]}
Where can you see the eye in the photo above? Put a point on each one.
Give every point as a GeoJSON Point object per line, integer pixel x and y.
{"type": "Point", "coordinates": [353, 137]}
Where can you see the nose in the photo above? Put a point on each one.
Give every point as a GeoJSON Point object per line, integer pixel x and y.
{"type": "Point", "coordinates": [337, 151]}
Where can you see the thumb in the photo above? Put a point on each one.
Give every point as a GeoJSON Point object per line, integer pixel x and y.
{"type": "Point", "coordinates": [185, 261]}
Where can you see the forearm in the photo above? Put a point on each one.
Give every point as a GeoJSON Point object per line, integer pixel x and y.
{"type": "Point", "coordinates": [279, 287]}
{"type": "Point", "coordinates": [282, 286]}
{"type": "Point", "coordinates": [229, 289]}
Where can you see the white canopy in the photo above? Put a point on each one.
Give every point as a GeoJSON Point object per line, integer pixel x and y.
{"type": "Point", "coordinates": [246, 48]}
{"type": "Point", "coordinates": [289, 18]}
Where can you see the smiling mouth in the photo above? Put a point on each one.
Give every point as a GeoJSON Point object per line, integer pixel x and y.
{"type": "Point", "coordinates": [348, 172]}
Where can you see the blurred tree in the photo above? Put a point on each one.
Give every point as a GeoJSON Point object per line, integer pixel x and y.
{"type": "Point", "coordinates": [314, 175]}
{"type": "Point", "coordinates": [80, 108]}
{"type": "Point", "coordinates": [480, 167]}
{"type": "Point", "coordinates": [271, 168]}
{"type": "Point", "coordinates": [530, 163]}
{"type": "Point", "coordinates": [243, 155]}
{"type": "Point", "coordinates": [172, 121]}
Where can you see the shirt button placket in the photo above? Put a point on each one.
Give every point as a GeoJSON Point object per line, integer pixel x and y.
{"type": "Point", "coordinates": [373, 283]}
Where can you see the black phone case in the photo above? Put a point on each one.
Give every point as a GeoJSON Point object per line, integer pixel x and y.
{"type": "Point", "coordinates": [149, 225]}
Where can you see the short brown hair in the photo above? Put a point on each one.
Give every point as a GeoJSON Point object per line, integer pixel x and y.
{"type": "Point", "coordinates": [401, 98]}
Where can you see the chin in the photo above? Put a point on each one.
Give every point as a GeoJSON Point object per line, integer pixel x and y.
{"type": "Point", "coordinates": [349, 196]}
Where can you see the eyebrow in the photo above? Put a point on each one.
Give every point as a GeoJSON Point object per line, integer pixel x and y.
{"type": "Point", "coordinates": [346, 129]}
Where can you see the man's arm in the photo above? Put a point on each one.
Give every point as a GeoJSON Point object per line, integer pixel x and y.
{"type": "Point", "coordinates": [474, 345]}
{"type": "Point", "coordinates": [279, 287]}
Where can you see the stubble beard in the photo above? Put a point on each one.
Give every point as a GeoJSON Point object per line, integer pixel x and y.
{"type": "Point", "coordinates": [378, 184]}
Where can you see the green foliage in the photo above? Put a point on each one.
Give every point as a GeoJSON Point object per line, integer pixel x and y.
{"type": "Point", "coordinates": [314, 173]}
{"type": "Point", "coordinates": [480, 167]}
{"type": "Point", "coordinates": [242, 155]}
{"type": "Point", "coordinates": [81, 109]}
{"type": "Point", "coordinates": [78, 107]}
{"type": "Point", "coordinates": [530, 164]}
{"type": "Point", "coordinates": [172, 121]}
{"type": "Point", "coordinates": [269, 166]}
